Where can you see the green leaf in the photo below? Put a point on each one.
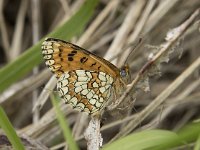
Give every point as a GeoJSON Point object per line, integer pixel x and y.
{"type": "Point", "coordinates": [20, 67]}
{"type": "Point", "coordinates": [187, 135]}
{"type": "Point", "coordinates": [64, 125]}
{"type": "Point", "coordinates": [10, 131]}
{"type": "Point", "coordinates": [158, 139]}
{"type": "Point", "coordinates": [197, 145]}
{"type": "Point", "coordinates": [142, 140]}
{"type": "Point", "coordinates": [190, 132]}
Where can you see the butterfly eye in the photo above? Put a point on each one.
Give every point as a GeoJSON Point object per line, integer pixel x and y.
{"type": "Point", "coordinates": [123, 73]}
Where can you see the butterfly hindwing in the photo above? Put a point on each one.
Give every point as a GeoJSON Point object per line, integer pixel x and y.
{"type": "Point", "coordinates": [84, 90]}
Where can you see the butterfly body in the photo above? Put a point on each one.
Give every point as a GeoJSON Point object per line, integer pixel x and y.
{"type": "Point", "coordinates": [85, 80]}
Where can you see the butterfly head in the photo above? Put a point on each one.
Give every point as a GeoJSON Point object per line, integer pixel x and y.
{"type": "Point", "coordinates": [125, 74]}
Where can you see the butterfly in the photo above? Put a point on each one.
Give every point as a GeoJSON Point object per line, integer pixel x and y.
{"type": "Point", "coordinates": [85, 81]}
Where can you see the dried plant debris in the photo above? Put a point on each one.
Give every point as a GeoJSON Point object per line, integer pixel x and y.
{"type": "Point", "coordinates": [164, 88]}
{"type": "Point", "coordinates": [29, 144]}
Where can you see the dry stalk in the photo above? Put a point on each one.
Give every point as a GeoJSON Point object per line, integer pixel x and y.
{"type": "Point", "coordinates": [138, 28]}
{"type": "Point", "coordinates": [44, 95]}
{"type": "Point", "coordinates": [36, 37]}
{"type": "Point", "coordinates": [131, 17]}
{"type": "Point", "coordinates": [95, 24]}
{"type": "Point", "coordinates": [93, 135]}
{"type": "Point", "coordinates": [4, 32]}
{"type": "Point", "coordinates": [172, 38]}
{"type": "Point", "coordinates": [159, 99]}
{"type": "Point", "coordinates": [17, 38]}
{"type": "Point", "coordinates": [158, 14]}
{"type": "Point", "coordinates": [23, 87]}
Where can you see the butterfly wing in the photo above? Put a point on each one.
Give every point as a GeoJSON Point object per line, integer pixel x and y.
{"type": "Point", "coordinates": [86, 91]}
{"type": "Point", "coordinates": [61, 56]}
{"type": "Point", "coordinates": [85, 81]}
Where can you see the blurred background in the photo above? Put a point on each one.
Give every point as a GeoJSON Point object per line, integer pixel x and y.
{"type": "Point", "coordinates": [106, 28]}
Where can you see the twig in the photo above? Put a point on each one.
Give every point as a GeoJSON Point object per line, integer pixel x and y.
{"type": "Point", "coordinates": [23, 87]}
{"type": "Point", "coordinates": [173, 102]}
{"type": "Point", "coordinates": [4, 32]}
{"type": "Point", "coordinates": [93, 135]}
{"type": "Point", "coordinates": [158, 14]}
{"type": "Point", "coordinates": [36, 24]}
{"type": "Point", "coordinates": [159, 99]}
{"type": "Point", "coordinates": [65, 6]}
{"type": "Point", "coordinates": [60, 19]}
{"type": "Point", "coordinates": [80, 124]}
{"type": "Point", "coordinates": [172, 38]}
{"type": "Point", "coordinates": [138, 29]}
{"type": "Point", "coordinates": [125, 28]}
{"type": "Point", "coordinates": [100, 18]}
{"type": "Point", "coordinates": [45, 93]}
{"type": "Point", "coordinates": [17, 37]}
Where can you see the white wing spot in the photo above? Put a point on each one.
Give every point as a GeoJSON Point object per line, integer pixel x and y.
{"type": "Point", "coordinates": [103, 83]}
{"type": "Point", "coordinates": [102, 77]}
{"type": "Point", "coordinates": [49, 51]}
{"type": "Point", "coordinates": [102, 73]}
{"type": "Point", "coordinates": [89, 74]}
{"type": "Point", "coordinates": [65, 90]}
{"type": "Point", "coordinates": [47, 56]}
{"type": "Point", "coordinates": [111, 80]}
{"type": "Point", "coordinates": [80, 73]}
{"type": "Point", "coordinates": [92, 101]}
{"type": "Point", "coordinates": [65, 82]}
{"type": "Point", "coordinates": [84, 92]}
{"type": "Point", "coordinates": [56, 44]}
{"type": "Point", "coordinates": [89, 95]}
{"type": "Point", "coordinates": [87, 110]}
{"type": "Point", "coordinates": [84, 86]}
{"type": "Point", "coordinates": [74, 101]}
{"type": "Point", "coordinates": [107, 86]}
{"type": "Point", "coordinates": [68, 97]}
{"type": "Point", "coordinates": [102, 89]}
{"type": "Point", "coordinates": [101, 100]}
{"type": "Point", "coordinates": [66, 75]}
{"type": "Point", "coordinates": [95, 96]}
{"type": "Point", "coordinates": [98, 105]}
{"type": "Point", "coordinates": [48, 46]}
{"type": "Point", "coordinates": [82, 78]}
{"type": "Point", "coordinates": [50, 62]}
{"type": "Point", "coordinates": [78, 89]}
{"type": "Point", "coordinates": [80, 105]}
{"type": "Point", "coordinates": [79, 83]}
{"type": "Point", "coordinates": [95, 85]}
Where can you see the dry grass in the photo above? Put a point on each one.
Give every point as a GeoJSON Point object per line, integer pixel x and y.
{"type": "Point", "coordinates": [173, 99]}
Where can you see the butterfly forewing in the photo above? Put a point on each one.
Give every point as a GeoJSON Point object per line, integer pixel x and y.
{"type": "Point", "coordinates": [85, 81]}
{"type": "Point", "coordinates": [61, 56]}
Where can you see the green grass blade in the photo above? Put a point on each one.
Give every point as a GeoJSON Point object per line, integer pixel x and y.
{"type": "Point", "coordinates": [158, 139]}
{"type": "Point", "coordinates": [197, 145]}
{"type": "Point", "coordinates": [187, 135]}
{"type": "Point", "coordinates": [142, 140]}
{"type": "Point", "coordinates": [32, 57]}
{"type": "Point", "coordinates": [9, 131]}
{"type": "Point", "coordinates": [64, 125]}
{"type": "Point", "coordinates": [190, 132]}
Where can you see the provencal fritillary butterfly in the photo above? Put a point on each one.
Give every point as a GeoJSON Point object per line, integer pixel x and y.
{"type": "Point", "coordinates": [85, 81]}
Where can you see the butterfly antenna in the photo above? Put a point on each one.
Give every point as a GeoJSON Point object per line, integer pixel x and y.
{"type": "Point", "coordinates": [138, 44]}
